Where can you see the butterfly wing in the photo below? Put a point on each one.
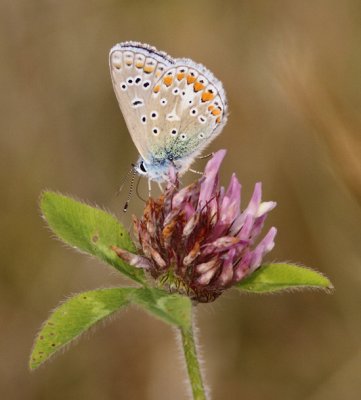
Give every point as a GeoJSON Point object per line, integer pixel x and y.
{"type": "Point", "coordinates": [134, 69]}
{"type": "Point", "coordinates": [173, 107]}
{"type": "Point", "coordinates": [187, 110]}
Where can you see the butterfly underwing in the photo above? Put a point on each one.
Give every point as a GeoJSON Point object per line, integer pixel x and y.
{"type": "Point", "coordinates": [173, 107]}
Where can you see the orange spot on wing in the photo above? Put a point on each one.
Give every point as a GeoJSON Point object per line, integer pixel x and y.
{"type": "Point", "coordinates": [156, 89]}
{"type": "Point", "coordinates": [207, 96]}
{"type": "Point", "coordinates": [148, 69]}
{"type": "Point", "coordinates": [211, 107]}
{"type": "Point", "coordinates": [218, 120]}
{"type": "Point", "coordinates": [216, 111]}
{"type": "Point", "coordinates": [129, 63]}
{"type": "Point", "coordinates": [168, 80]}
{"type": "Point", "coordinates": [180, 76]}
{"type": "Point", "coordinates": [198, 86]}
{"type": "Point", "coordinates": [190, 79]}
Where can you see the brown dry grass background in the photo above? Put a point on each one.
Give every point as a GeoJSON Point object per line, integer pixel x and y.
{"type": "Point", "coordinates": [292, 73]}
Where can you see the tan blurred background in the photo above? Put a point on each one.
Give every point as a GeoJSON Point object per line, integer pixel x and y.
{"type": "Point", "coordinates": [292, 71]}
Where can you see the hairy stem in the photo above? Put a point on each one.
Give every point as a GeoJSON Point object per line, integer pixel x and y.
{"type": "Point", "coordinates": [192, 363]}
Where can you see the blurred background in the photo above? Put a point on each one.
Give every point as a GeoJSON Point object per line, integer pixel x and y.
{"type": "Point", "coordinates": [292, 71]}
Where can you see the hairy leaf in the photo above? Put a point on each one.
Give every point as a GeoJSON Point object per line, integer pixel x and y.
{"type": "Point", "coordinates": [282, 276]}
{"type": "Point", "coordinates": [89, 229]}
{"type": "Point", "coordinates": [74, 317]}
{"type": "Point", "coordinates": [171, 308]}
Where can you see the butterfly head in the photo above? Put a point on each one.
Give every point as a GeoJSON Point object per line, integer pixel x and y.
{"type": "Point", "coordinates": [155, 170]}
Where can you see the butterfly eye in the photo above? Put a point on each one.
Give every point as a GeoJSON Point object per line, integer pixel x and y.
{"type": "Point", "coordinates": [123, 86]}
{"type": "Point", "coordinates": [194, 111]}
{"type": "Point", "coordinates": [155, 131]}
{"type": "Point", "coordinates": [142, 167]}
{"type": "Point", "coordinates": [154, 115]}
{"type": "Point", "coordinates": [163, 101]}
{"type": "Point", "coordinates": [173, 132]}
{"type": "Point", "coordinates": [130, 81]}
{"type": "Point", "coordinates": [175, 91]}
{"type": "Point", "coordinates": [183, 136]}
{"type": "Point", "coordinates": [143, 119]}
{"type": "Point", "coordinates": [137, 80]}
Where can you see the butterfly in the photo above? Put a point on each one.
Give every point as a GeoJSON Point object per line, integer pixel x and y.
{"type": "Point", "coordinates": [173, 107]}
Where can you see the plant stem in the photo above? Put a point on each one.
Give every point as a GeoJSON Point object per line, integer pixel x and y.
{"type": "Point", "coordinates": [192, 363]}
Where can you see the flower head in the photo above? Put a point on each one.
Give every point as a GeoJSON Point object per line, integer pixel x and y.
{"type": "Point", "coordinates": [196, 240]}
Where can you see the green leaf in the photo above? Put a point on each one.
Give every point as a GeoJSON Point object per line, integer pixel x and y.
{"type": "Point", "coordinates": [74, 317]}
{"type": "Point", "coordinates": [81, 312]}
{"type": "Point", "coordinates": [171, 308]}
{"type": "Point", "coordinates": [281, 276]}
{"type": "Point", "coordinates": [89, 229]}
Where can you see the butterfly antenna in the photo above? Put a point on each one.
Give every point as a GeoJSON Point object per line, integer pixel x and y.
{"type": "Point", "coordinates": [130, 189]}
{"type": "Point", "coordinates": [124, 179]}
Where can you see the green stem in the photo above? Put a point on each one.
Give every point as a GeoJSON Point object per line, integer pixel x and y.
{"type": "Point", "coordinates": [192, 363]}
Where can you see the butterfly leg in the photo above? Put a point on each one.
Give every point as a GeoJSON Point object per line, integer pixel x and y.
{"type": "Point", "coordinates": [160, 187]}
{"type": "Point", "coordinates": [149, 188]}
{"type": "Point", "coordinates": [195, 171]}
{"type": "Point", "coordinates": [206, 156]}
{"type": "Point", "coordinates": [137, 191]}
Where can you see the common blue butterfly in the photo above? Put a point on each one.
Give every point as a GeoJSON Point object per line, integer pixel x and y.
{"type": "Point", "coordinates": [173, 108]}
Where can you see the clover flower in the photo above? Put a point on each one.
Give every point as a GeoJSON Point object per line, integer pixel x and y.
{"type": "Point", "coordinates": [196, 240]}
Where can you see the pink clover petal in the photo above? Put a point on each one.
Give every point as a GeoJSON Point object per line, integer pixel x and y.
{"type": "Point", "coordinates": [204, 267]}
{"type": "Point", "coordinates": [246, 228]}
{"type": "Point", "coordinates": [265, 207]}
{"type": "Point", "coordinates": [264, 247]}
{"type": "Point", "coordinates": [255, 201]}
{"type": "Point", "coordinates": [132, 259]}
{"type": "Point", "coordinates": [242, 268]}
{"type": "Point", "coordinates": [225, 278]}
{"type": "Point", "coordinates": [206, 277]}
{"type": "Point", "coordinates": [196, 240]}
{"type": "Point", "coordinates": [257, 226]}
{"type": "Point", "coordinates": [210, 178]}
{"type": "Point", "coordinates": [191, 224]}
{"type": "Point", "coordinates": [230, 207]}
{"type": "Point", "coordinates": [181, 196]}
